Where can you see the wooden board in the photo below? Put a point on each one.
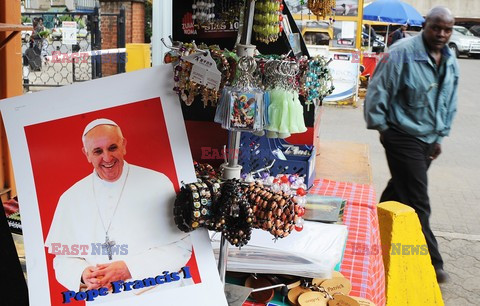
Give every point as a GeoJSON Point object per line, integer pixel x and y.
{"type": "Point", "coordinates": [343, 162]}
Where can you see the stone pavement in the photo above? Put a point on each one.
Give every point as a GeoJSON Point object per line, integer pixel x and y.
{"type": "Point", "coordinates": [454, 182]}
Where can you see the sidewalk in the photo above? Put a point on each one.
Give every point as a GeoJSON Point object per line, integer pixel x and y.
{"type": "Point", "coordinates": [454, 181]}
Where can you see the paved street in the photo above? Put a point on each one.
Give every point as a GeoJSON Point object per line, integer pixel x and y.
{"type": "Point", "coordinates": [454, 181]}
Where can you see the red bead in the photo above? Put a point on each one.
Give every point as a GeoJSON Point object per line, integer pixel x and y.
{"type": "Point", "coordinates": [284, 179]}
{"type": "Point", "coordinates": [301, 211]}
{"type": "Point", "coordinates": [301, 192]}
{"type": "Point", "coordinates": [280, 17]}
{"type": "Point", "coordinates": [275, 180]}
{"type": "Point", "coordinates": [281, 7]}
{"type": "Point", "coordinates": [298, 228]}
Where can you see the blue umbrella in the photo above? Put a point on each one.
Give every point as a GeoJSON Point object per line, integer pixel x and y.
{"type": "Point", "coordinates": [393, 11]}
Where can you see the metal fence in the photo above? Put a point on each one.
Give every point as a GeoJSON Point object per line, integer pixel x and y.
{"type": "Point", "coordinates": [49, 62]}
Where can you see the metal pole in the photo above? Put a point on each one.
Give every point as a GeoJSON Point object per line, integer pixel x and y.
{"type": "Point", "coordinates": [121, 39]}
{"type": "Point", "coordinates": [232, 169]}
{"type": "Point", "coordinates": [233, 147]}
{"type": "Point", "coordinates": [96, 44]}
{"type": "Point", "coordinates": [222, 258]}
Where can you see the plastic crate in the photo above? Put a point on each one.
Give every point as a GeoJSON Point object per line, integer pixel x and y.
{"type": "Point", "coordinates": [256, 153]}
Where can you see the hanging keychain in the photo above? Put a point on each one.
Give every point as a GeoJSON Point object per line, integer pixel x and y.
{"type": "Point", "coordinates": [241, 105]}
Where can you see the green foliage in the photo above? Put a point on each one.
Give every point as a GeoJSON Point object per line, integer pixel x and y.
{"type": "Point", "coordinates": [80, 22]}
{"type": "Point", "coordinates": [26, 19]}
{"type": "Point", "coordinates": [62, 18]}
{"type": "Point", "coordinates": [44, 33]}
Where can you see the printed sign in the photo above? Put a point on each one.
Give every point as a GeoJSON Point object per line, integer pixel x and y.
{"type": "Point", "coordinates": [98, 218]}
{"type": "Point", "coordinates": [345, 69]}
{"type": "Point", "coordinates": [69, 32]}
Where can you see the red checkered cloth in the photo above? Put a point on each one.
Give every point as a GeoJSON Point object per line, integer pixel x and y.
{"type": "Point", "coordinates": [362, 261]}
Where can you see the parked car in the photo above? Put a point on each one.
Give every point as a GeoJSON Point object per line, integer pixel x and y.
{"type": "Point", "coordinates": [463, 41]}
{"type": "Point", "coordinates": [475, 30]}
{"type": "Point", "coordinates": [377, 45]}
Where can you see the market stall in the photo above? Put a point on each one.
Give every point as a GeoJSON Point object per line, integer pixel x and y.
{"type": "Point", "coordinates": [259, 216]}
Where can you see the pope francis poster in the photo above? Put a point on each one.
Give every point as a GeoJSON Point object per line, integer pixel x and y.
{"type": "Point", "coordinates": [97, 167]}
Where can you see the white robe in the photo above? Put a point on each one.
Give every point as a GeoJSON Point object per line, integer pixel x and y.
{"type": "Point", "coordinates": [143, 221]}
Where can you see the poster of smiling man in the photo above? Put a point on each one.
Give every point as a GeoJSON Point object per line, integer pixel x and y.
{"type": "Point", "coordinates": [97, 167]}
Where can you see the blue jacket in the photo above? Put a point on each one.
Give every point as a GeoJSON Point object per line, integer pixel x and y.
{"type": "Point", "coordinates": [407, 92]}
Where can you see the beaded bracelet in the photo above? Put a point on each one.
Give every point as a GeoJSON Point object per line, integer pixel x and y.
{"type": "Point", "coordinates": [273, 212]}
{"type": "Point", "coordinates": [235, 215]}
{"type": "Point", "coordinates": [200, 203]}
{"type": "Point", "coordinates": [193, 205]}
{"type": "Point", "coordinates": [182, 215]}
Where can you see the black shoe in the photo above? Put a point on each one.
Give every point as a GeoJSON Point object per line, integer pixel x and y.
{"type": "Point", "coordinates": [442, 276]}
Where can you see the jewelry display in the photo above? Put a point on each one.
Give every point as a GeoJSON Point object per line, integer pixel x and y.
{"type": "Point", "coordinates": [275, 212]}
{"type": "Point", "coordinates": [235, 216]}
{"type": "Point", "coordinates": [284, 78]}
{"type": "Point", "coordinates": [322, 8]}
{"type": "Point", "coordinates": [234, 208]}
{"type": "Point", "coordinates": [268, 20]}
{"type": "Point", "coordinates": [285, 112]}
{"type": "Point", "coordinates": [193, 207]}
{"type": "Point", "coordinates": [203, 11]}
{"type": "Point", "coordinates": [316, 80]}
{"type": "Point", "coordinates": [241, 105]}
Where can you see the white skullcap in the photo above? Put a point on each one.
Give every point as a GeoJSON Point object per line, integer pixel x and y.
{"type": "Point", "coordinates": [97, 122]}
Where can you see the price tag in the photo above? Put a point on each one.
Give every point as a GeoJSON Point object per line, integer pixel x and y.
{"type": "Point", "coordinates": [213, 79]}
{"type": "Point", "coordinates": [342, 300]}
{"type": "Point", "coordinates": [198, 74]}
{"type": "Point", "coordinates": [312, 299]}
{"type": "Point", "coordinates": [337, 285]}
{"type": "Point", "coordinates": [204, 70]}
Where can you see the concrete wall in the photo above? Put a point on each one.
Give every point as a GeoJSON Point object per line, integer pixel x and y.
{"type": "Point", "coordinates": [46, 4]}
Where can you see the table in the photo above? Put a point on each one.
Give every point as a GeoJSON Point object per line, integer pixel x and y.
{"type": "Point", "coordinates": [362, 261]}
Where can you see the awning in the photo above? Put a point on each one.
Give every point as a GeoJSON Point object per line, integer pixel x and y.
{"type": "Point", "coordinates": [84, 9]}
{"type": "Point", "coordinates": [379, 23]}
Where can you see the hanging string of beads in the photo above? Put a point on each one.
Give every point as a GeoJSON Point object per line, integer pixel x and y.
{"type": "Point", "coordinates": [316, 79]}
{"type": "Point", "coordinates": [234, 208]}
{"type": "Point", "coordinates": [268, 20]}
{"type": "Point", "coordinates": [321, 8]}
{"type": "Point", "coordinates": [310, 78]}
{"type": "Point", "coordinates": [203, 11]}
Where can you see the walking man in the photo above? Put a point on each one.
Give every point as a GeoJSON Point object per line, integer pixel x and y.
{"type": "Point", "coordinates": [411, 101]}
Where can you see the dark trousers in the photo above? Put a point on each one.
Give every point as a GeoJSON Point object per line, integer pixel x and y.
{"type": "Point", "coordinates": [409, 159]}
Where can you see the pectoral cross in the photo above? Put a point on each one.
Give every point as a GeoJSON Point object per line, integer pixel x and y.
{"type": "Point", "coordinates": [108, 245]}
{"type": "Point", "coordinates": [308, 103]}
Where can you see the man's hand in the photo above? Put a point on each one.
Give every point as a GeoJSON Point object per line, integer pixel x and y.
{"type": "Point", "coordinates": [437, 150]}
{"type": "Point", "coordinates": [110, 272]}
{"type": "Point", "coordinates": [89, 279]}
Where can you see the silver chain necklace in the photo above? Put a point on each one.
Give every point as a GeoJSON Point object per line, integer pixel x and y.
{"type": "Point", "coordinates": [108, 245]}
